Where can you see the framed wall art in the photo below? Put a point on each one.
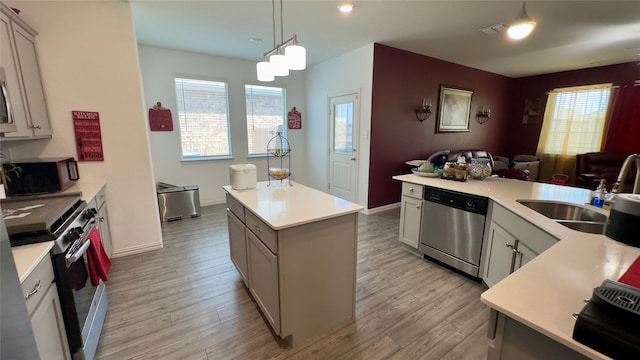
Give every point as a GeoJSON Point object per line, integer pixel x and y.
{"type": "Point", "coordinates": [454, 111]}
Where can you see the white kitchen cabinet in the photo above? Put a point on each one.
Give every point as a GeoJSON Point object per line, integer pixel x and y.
{"type": "Point", "coordinates": [500, 254]}
{"type": "Point", "coordinates": [512, 242]}
{"type": "Point", "coordinates": [43, 305]}
{"type": "Point", "coordinates": [238, 246]}
{"type": "Point", "coordinates": [26, 92]}
{"type": "Point", "coordinates": [263, 280]}
{"type": "Point", "coordinates": [411, 214]}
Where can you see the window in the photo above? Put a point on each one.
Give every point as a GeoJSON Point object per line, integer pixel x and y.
{"type": "Point", "coordinates": [574, 120]}
{"type": "Point", "coordinates": [203, 114]}
{"type": "Point", "coordinates": [573, 124]}
{"type": "Point", "coordinates": [265, 116]}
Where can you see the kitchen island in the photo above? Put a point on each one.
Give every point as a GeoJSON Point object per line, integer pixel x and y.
{"type": "Point", "coordinates": [538, 300]}
{"type": "Point", "coordinates": [295, 249]}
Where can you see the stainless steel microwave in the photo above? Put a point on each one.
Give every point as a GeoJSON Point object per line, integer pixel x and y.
{"type": "Point", "coordinates": [40, 176]}
{"type": "Point", "coordinates": [7, 123]}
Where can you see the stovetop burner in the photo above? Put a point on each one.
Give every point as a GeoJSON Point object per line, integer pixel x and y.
{"type": "Point", "coordinates": [39, 218]}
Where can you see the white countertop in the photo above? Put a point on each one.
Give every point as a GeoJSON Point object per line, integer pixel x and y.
{"type": "Point", "coordinates": [545, 292]}
{"type": "Point", "coordinates": [283, 206]}
{"type": "Point", "coordinates": [88, 188]}
{"type": "Point", "coordinates": [27, 257]}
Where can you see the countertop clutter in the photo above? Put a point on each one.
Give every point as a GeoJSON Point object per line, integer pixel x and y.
{"type": "Point", "coordinates": [547, 291]}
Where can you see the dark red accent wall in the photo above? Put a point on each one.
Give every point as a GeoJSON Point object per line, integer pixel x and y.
{"type": "Point", "coordinates": [400, 80]}
{"type": "Point", "coordinates": [523, 138]}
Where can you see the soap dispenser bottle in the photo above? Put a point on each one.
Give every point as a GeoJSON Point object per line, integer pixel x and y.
{"type": "Point", "coordinates": [599, 194]}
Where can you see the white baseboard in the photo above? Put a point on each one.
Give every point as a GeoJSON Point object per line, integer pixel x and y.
{"type": "Point", "coordinates": [136, 250]}
{"type": "Point", "coordinates": [381, 208]}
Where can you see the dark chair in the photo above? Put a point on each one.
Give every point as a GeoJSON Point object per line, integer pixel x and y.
{"type": "Point", "coordinates": [471, 154]}
{"type": "Point", "coordinates": [593, 166]}
{"type": "Point", "coordinates": [513, 173]}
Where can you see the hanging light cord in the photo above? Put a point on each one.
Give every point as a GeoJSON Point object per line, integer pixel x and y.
{"type": "Point", "coordinates": [273, 17]}
{"type": "Point", "coordinates": [281, 24]}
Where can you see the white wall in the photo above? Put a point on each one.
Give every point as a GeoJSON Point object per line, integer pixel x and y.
{"type": "Point", "coordinates": [88, 58]}
{"type": "Point", "coordinates": [347, 73]}
{"type": "Point", "coordinates": [159, 66]}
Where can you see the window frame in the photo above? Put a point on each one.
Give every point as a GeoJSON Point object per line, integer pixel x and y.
{"type": "Point", "coordinates": [184, 158]}
{"type": "Point", "coordinates": [284, 117]}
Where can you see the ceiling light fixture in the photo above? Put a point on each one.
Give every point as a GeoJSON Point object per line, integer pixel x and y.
{"type": "Point", "coordinates": [522, 26]}
{"type": "Point", "coordinates": [287, 55]}
{"type": "Point", "coordinates": [345, 7]}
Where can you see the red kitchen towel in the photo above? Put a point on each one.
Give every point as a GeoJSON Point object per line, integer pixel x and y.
{"type": "Point", "coordinates": [97, 259]}
{"type": "Point", "coordinates": [632, 275]}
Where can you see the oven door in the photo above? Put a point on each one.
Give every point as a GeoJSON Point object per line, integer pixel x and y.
{"type": "Point", "coordinates": [84, 306]}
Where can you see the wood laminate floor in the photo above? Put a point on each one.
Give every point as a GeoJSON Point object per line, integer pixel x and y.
{"type": "Point", "coordinates": [187, 301]}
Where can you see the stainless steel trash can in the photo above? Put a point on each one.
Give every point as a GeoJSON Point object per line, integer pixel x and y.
{"type": "Point", "coordinates": [177, 202]}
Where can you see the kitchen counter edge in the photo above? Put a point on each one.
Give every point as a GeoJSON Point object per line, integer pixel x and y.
{"type": "Point", "coordinates": [563, 276]}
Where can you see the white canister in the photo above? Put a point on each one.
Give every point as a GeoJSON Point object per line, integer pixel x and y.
{"type": "Point", "coordinates": [243, 176]}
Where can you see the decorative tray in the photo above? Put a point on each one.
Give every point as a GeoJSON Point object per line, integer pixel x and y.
{"type": "Point", "coordinates": [426, 174]}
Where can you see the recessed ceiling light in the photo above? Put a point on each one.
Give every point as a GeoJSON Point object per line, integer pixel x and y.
{"type": "Point", "coordinates": [345, 7]}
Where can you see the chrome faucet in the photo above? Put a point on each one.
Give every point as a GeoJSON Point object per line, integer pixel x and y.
{"type": "Point", "coordinates": [619, 184]}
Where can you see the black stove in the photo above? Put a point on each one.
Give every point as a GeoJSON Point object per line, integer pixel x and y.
{"type": "Point", "coordinates": [36, 219]}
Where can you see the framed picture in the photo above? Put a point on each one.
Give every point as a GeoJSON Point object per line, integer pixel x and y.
{"type": "Point", "coordinates": [533, 110]}
{"type": "Point", "coordinates": [454, 111]}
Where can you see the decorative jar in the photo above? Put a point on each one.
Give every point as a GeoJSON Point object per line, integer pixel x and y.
{"type": "Point", "coordinates": [480, 168]}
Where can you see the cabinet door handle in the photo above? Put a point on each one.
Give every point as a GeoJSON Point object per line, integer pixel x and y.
{"type": "Point", "coordinates": [411, 190]}
{"type": "Point", "coordinates": [101, 219]}
{"type": "Point", "coordinates": [258, 229]}
{"type": "Point", "coordinates": [37, 127]}
{"type": "Point", "coordinates": [418, 206]}
{"type": "Point", "coordinates": [509, 246]}
{"type": "Point", "coordinates": [35, 289]}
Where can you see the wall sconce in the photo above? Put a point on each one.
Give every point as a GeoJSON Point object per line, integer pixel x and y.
{"type": "Point", "coordinates": [484, 115]}
{"type": "Point", "coordinates": [424, 111]}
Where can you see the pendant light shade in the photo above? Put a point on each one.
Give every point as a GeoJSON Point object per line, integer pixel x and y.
{"type": "Point", "coordinates": [279, 64]}
{"type": "Point", "coordinates": [274, 63]}
{"type": "Point", "coordinates": [522, 26]}
{"type": "Point", "coordinates": [265, 71]}
{"type": "Point", "coordinates": [296, 57]}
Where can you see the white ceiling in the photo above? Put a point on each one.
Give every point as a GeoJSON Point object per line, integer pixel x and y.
{"type": "Point", "coordinates": [569, 34]}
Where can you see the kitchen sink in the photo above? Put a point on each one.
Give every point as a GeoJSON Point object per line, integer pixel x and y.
{"type": "Point", "coordinates": [583, 226]}
{"type": "Point", "coordinates": [573, 216]}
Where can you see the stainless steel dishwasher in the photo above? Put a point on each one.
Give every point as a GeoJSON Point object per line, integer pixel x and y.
{"type": "Point", "coordinates": [453, 228]}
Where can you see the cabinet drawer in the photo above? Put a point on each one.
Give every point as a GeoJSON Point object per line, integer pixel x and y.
{"type": "Point", "coordinates": [267, 235]}
{"type": "Point", "coordinates": [36, 284]}
{"type": "Point", "coordinates": [235, 206]}
{"type": "Point", "coordinates": [413, 190]}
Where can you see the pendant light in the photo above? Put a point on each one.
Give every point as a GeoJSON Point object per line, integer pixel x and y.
{"type": "Point", "coordinates": [522, 26]}
{"type": "Point", "coordinates": [288, 55]}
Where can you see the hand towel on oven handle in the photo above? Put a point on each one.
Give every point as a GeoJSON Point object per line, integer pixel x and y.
{"type": "Point", "coordinates": [97, 259]}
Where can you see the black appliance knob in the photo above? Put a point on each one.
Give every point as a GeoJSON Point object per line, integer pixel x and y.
{"type": "Point", "coordinates": [90, 213]}
{"type": "Point", "coordinates": [73, 235]}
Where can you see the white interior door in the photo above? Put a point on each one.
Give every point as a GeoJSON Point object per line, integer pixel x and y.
{"type": "Point", "coordinates": [343, 159]}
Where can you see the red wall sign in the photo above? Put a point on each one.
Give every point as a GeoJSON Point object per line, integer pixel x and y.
{"type": "Point", "coordinates": [294, 119]}
{"type": "Point", "coordinates": [86, 125]}
{"type": "Point", "coordinates": [160, 118]}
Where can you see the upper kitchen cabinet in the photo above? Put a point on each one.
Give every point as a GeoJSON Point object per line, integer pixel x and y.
{"type": "Point", "coordinates": [19, 60]}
